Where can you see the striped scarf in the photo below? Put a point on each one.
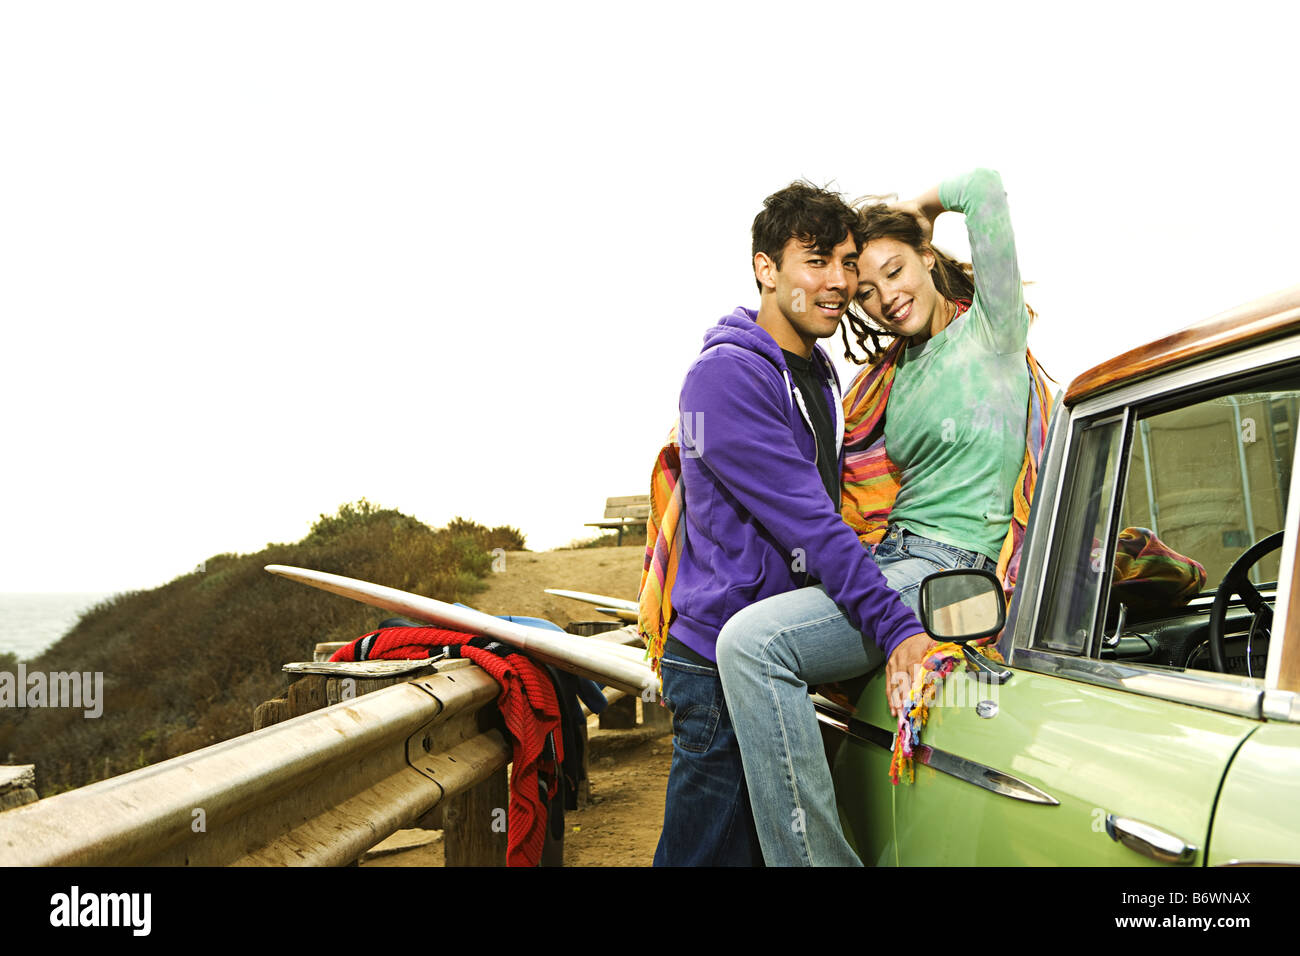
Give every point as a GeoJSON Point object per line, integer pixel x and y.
{"type": "Point", "coordinates": [1150, 575]}
{"type": "Point", "coordinates": [662, 551]}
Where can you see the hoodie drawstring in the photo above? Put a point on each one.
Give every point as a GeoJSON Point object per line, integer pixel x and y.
{"type": "Point", "coordinates": [803, 409]}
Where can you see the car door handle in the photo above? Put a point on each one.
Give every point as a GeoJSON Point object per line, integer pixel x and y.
{"type": "Point", "coordinates": [1151, 842]}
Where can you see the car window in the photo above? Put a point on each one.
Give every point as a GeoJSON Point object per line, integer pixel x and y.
{"type": "Point", "coordinates": [1135, 567]}
{"type": "Point", "coordinates": [1211, 479]}
{"type": "Point", "coordinates": [1204, 482]}
{"type": "Point", "coordinates": [1079, 568]}
{"type": "Point", "coordinates": [1160, 502]}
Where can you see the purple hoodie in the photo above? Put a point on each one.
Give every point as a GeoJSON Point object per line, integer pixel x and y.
{"type": "Point", "coordinates": [757, 513]}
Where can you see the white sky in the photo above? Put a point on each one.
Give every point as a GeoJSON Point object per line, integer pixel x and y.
{"type": "Point", "coordinates": [258, 259]}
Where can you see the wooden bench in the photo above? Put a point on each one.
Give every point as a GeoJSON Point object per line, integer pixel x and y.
{"type": "Point", "coordinates": [625, 512]}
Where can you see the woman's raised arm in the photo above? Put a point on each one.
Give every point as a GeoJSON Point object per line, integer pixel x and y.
{"type": "Point", "coordinates": [980, 197]}
{"type": "Point", "coordinates": [999, 305]}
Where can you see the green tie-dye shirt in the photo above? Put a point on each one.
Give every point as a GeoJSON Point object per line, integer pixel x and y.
{"type": "Point", "coordinates": [955, 422]}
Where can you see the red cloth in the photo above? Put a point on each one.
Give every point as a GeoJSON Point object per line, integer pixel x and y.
{"type": "Point", "coordinates": [528, 703]}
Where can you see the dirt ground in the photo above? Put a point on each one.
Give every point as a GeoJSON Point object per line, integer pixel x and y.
{"type": "Point", "coordinates": [519, 587]}
{"type": "Point", "coordinates": [629, 768]}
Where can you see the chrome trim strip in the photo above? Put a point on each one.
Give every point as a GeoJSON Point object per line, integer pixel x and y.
{"type": "Point", "coordinates": [1257, 863]}
{"type": "Point", "coordinates": [1211, 692]}
{"type": "Point", "coordinates": [1118, 482]}
{"type": "Point", "coordinates": [1038, 535]}
{"type": "Point", "coordinates": [833, 709]}
{"type": "Point", "coordinates": [1246, 493]}
{"type": "Point", "coordinates": [967, 770]}
{"type": "Point", "coordinates": [830, 721]}
{"type": "Point", "coordinates": [1285, 573]}
{"type": "Point", "coordinates": [1281, 705]}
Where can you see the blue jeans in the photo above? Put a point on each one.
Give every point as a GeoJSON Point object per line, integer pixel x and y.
{"type": "Point", "coordinates": [768, 654]}
{"type": "Point", "coordinates": [907, 559]}
{"type": "Point", "coordinates": [707, 818]}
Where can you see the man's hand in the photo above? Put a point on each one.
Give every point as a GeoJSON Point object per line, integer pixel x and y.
{"type": "Point", "coordinates": [904, 669]}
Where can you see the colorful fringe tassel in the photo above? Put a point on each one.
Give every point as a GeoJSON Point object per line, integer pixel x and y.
{"type": "Point", "coordinates": [939, 663]}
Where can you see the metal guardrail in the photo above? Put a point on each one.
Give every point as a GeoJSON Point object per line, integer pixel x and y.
{"type": "Point", "coordinates": [319, 789]}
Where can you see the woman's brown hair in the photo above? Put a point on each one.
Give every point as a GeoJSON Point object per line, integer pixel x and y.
{"type": "Point", "coordinates": [952, 279]}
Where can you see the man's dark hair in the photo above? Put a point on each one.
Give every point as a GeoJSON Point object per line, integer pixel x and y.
{"type": "Point", "coordinates": [816, 217]}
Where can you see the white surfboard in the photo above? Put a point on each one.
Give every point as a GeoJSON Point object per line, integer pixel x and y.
{"type": "Point", "coordinates": [627, 617]}
{"type": "Point", "coordinates": [617, 665]}
{"type": "Point", "coordinates": [615, 607]}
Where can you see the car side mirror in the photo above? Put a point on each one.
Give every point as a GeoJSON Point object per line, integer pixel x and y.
{"type": "Point", "coordinates": [962, 605]}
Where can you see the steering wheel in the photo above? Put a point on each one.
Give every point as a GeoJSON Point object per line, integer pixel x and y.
{"type": "Point", "coordinates": [1236, 582]}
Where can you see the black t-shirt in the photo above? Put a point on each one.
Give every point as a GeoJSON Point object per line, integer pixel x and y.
{"type": "Point", "coordinates": [809, 383]}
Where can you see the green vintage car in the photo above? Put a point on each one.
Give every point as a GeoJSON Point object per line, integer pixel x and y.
{"type": "Point", "coordinates": [1138, 726]}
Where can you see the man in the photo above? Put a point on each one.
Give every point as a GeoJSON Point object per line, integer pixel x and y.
{"type": "Point", "coordinates": [761, 430]}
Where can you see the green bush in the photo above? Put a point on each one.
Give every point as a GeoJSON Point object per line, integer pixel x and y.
{"type": "Point", "coordinates": [489, 539]}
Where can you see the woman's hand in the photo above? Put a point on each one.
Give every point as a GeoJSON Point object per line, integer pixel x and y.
{"type": "Point", "coordinates": [912, 208]}
{"type": "Point", "coordinates": [925, 209]}
{"type": "Point", "coordinates": [904, 669]}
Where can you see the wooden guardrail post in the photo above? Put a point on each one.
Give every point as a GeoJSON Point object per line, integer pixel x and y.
{"type": "Point", "coordinates": [474, 824]}
{"type": "Point", "coordinates": [619, 715]}
{"type": "Point", "coordinates": [655, 714]}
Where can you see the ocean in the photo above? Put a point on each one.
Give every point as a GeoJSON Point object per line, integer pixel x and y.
{"type": "Point", "coordinates": [29, 623]}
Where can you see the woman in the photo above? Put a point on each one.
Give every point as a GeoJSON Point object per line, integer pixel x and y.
{"type": "Point", "coordinates": [956, 381]}
{"type": "Point", "coordinates": [961, 459]}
